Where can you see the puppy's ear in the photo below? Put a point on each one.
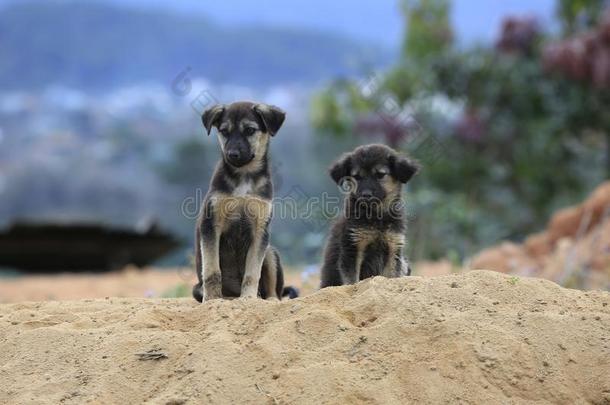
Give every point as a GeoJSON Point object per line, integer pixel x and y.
{"type": "Point", "coordinates": [211, 117]}
{"type": "Point", "coordinates": [272, 117]}
{"type": "Point", "coordinates": [402, 168]}
{"type": "Point", "coordinates": [341, 168]}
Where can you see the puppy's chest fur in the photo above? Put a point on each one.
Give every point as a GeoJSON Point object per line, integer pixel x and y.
{"type": "Point", "coordinates": [363, 238]}
{"type": "Point", "coordinates": [245, 188]}
{"type": "Point", "coordinates": [246, 202]}
{"type": "Point", "coordinates": [376, 250]}
{"type": "Point", "coordinates": [241, 213]}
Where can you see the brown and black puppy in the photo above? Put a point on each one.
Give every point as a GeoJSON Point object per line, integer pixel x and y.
{"type": "Point", "coordinates": [369, 237]}
{"type": "Point", "coordinates": [233, 255]}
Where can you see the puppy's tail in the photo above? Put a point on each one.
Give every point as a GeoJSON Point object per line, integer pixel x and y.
{"type": "Point", "coordinates": [290, 292]}
{"type": "Point", "coordinates": [197, 293]}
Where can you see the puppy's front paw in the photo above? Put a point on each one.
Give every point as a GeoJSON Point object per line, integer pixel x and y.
{"type": "Point", "coordinates": [273, 299]}
{"type": "Point", "coordinates": [212, 293]}
{"type": "Point", "coordinates": [249, 288]}
{"type": "Point", "coordinates": [212, 287]}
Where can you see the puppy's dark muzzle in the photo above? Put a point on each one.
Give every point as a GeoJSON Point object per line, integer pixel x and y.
{"type": "Point", "coordinates": [367, 198]}
{"type": "Point", "coordinates": [237, 159]}
{"type": "Point", "coordinates": [366, 195]}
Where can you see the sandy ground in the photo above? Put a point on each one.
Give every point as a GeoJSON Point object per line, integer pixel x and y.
{"type": "Point", "coordinates": [478, 337]}
{"type": "Point", "coordinates": [130, 282]}
{"type": "Point", "coordinates": [150, 282]}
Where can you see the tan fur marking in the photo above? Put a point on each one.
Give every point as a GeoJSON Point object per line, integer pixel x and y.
{"type": "Point", "coordinates": [230, 208]}
{"type": "Point", "coordinates": [391, 186]}
{"type": "Point", "coordinates": [395, 243]}
{"type": "Point", "coordinates": [246, 124]}
{"type": "Point", "coordinates": [259, 211]}
{"type": "Point", "coordinates": [259, 143]}
{"type": "Point", "coordinates": [226, 126]}
{"type": "Point", "coordinates": [248, 281]}
{"type": "Point", "coordinates": [382, 169]}
{"type": "Point", "coordinates": [364, 237]}
{"type": "Point", "coordinates": [254, 264]}
{"type": "Point", "coordinates": [212, 286]}
{"type": "Point", "coordinates": [221, 143]}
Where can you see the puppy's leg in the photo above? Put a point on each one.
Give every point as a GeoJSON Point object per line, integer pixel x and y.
{"type": "Point", "coordinates": [395, 266]}
{"type": "Point", "coordinates": [279, 284]}
{"type": "Point", "coordinates": [350, 261]}
{"type": "Point", "coordinates": [197, 288]}
{"type": "Point", "coordinates": [405, 267]}
{"type": "Point", "coordinates": [209, 247]}
{"type": "Point", "coordinates": [330, 274]}
{"type": "Point", "coordinates": [259, 212]}
{"type": "Point", "coordinates": [254, 264]}
{"type": "Point", "coordinates": [271, 273]}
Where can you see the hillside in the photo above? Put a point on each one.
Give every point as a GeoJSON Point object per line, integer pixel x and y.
{"type": "Point", "coordinates": [94, 45]}
{"type": "Point", "coordinates": [480, 337]}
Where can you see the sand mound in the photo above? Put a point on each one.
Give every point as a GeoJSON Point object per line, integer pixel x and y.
{"type": "Point", "coordinates": [479, 337]}
{"type": "Point", "coordinates": [574, 250]}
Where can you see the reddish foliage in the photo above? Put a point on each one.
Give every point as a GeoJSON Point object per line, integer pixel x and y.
{"type": "Point", "coordinates": [584, 57]}
{"type": "Point", "coordinates": [518, 35]}
{"type": "Point", "coordinates": [394, 129]}
{"type": "Point", "coordinates": [470, 127]}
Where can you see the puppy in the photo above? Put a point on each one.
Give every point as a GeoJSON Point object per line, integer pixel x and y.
{"type": "Point", "coordinates": [368, 239]}
{"type": "Point", "coordinates": [233, 255]}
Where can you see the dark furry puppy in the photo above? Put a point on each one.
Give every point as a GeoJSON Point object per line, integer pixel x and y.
{"type": "Point", "coordinates": [233, 255]}
{"type": "Point", "coordinates": [369, 237]}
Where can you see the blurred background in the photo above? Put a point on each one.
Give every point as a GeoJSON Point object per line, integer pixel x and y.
{"type": "Point", "coordinates": [103, 158]}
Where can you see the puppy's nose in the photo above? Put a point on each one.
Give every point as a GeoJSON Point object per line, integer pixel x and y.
{"type": "Point", "coordinates": [233, 154]}
{"type": "Point", "coordinates": [366, 193]}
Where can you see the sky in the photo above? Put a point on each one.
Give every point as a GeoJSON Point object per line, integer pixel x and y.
{"type": "Point", "coordinates": [376, 21]}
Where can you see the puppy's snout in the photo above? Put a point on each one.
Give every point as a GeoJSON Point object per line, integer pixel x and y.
{"type": "Point", "coordinates": [233, 154]}
{"type": "Point", "coordinates": [366, 193]}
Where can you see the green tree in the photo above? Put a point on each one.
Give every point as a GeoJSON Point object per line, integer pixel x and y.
{"type": "Point", "coordinates": [576, 15]}
{"type": "Point", "coordinates": [428, 31]}
{"type": "Point", "coordinates": [517, 140]}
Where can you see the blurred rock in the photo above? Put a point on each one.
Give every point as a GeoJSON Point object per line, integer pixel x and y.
{"type": "Point", "coordinates": [574, 250]}
{"type": "Point", "coordinates": [538, 244]}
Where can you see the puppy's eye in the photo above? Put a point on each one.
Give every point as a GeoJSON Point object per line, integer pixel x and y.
{"type": "Point", "coordinates": [380, 175]}
{"type": "Point", "coordinates": [249, 131]}
{"type": "Point", "coordinates": [224, 132]}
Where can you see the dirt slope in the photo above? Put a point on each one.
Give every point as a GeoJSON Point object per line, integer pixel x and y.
{"type": "Point", "coordinates": [478, 337]}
